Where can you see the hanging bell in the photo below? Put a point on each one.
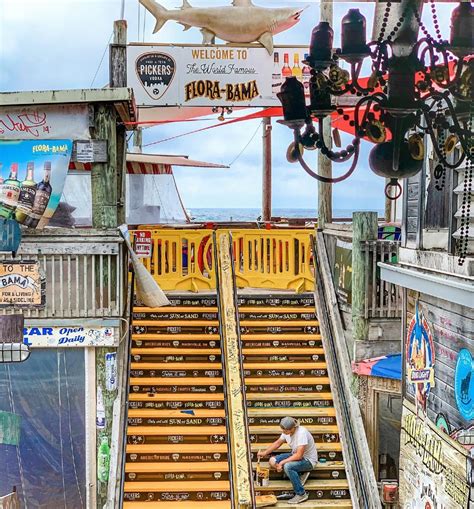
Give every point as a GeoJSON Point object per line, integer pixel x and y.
{"type": "Point", "coordinates": [450, 143]}
{"type": "Point", "coordinates": [416, 147]}
{"type": "Point", "coordinates": [376, 131]}
{"type": "Point", "coordinates": [336, 137]}
{"type": "Point", "coordinates": [382, 157]}
{"type": "Point", "coordinates": [291, 153]}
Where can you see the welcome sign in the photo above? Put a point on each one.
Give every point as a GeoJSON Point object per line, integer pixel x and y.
{"type": "Point", "coordinates": [212, 75]}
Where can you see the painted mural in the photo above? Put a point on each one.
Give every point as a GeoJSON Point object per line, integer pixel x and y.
{"type": "Point", "coordinates": [435, 472]}
{"type": "Point", "coordinates": [437, 443]}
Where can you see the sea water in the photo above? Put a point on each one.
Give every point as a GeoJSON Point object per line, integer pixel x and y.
{"type": "Point", "coordinates": [252, 214]}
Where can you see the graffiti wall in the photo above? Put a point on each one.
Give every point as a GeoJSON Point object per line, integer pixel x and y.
{"type": "Point", "coordinates": [439, 405]}
{"type": "Point", "coordinates": [433, 468]}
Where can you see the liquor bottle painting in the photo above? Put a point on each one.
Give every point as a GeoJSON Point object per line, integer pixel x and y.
{"type": "Point", "coordinates": [32, 175]}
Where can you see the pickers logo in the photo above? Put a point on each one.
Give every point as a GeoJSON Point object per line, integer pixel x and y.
{"type": "Point", "coordinates": [155, 72]}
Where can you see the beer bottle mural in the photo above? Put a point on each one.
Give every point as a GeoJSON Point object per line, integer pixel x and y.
{"type": "Point", "coordinates": [41, 198]}
{"type": "Point", "coordinates": [27, 195]}
{"type": "Point", "coordinates": [10, 193]}
{"type": "Point", "coordinates": [32, 175]}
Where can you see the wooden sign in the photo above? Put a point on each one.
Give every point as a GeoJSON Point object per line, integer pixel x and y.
{"type": "Point", "coordinates": [89, 151]}
{"type": "Point", "coordinates": [433, 467]}
{"type": "Point", "coordinates": [20, 284]}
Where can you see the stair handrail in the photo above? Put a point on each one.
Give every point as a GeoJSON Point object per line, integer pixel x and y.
{"type": "Point", "coordinates": [125, 378]}
{"type": "Point", "coordinates": [240, 471]}
{"type": "Point", "coordinates": [358, 463]}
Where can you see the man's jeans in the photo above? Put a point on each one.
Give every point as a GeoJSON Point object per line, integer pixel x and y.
{"type": "Point", "coordinates": [293, 470]}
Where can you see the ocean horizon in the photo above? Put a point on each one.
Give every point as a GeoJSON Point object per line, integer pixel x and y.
{"type": "Point", "coordinates": [252, 214]}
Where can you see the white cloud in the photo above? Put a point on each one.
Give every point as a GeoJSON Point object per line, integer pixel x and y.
{"type": "Point", "coordinates": [55, 44]}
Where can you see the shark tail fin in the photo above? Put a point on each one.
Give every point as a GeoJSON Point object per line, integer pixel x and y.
{"type": "Point", "coordinates": [158, 11]}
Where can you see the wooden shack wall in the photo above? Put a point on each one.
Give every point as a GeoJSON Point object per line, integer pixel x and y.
{"type": "Point", "coordinates": [452, 329]}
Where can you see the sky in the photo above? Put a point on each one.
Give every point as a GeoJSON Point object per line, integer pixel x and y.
{"type": "Point", "coordinates": [63, 44]}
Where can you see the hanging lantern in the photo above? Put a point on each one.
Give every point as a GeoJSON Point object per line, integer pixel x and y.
{"type": "Point", "coordinates": [320, 49]}
{"type": "Point", "coordinates": [353, 36]}
{"type": "Point", "coordinates": [292, 99]}
{"type": "Point", "coordinates": [462, 29]}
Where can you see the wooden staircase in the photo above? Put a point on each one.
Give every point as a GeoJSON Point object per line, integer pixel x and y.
{"type": "Point", "coordinates": [286, 374]}
{"type": "Point", "coordinates": [177, 440]}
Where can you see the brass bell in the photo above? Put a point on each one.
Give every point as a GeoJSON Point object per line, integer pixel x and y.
{"type": "Point", "coordinates": [291, 155]}
{"type": "Point", "coordinates": [376, 132]}
{"type": "Point", "coordinates": [440, 74]}
{"type": "Point", "coordinates": [416, 147]}
{"type": "Point", "coordinates": [450, 143]}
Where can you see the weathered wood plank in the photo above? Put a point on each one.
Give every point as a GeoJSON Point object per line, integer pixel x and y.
{"type": "Point", "coordinates": [104, 175]}
{"type": "Point", "coordinates": [365, 227]}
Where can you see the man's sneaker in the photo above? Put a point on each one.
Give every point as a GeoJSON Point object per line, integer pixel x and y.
{"type": "Point", "coordinates": [297, 499]}
{"type": "Point", "coordinates": [304, 477]}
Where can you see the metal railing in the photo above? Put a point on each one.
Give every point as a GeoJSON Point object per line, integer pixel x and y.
{"type": "Point", "coordinates": [383, 299]}
{"type": "Point", "coordinates": [84, 273]}
{"type": "Point", "coordinates": [182, 259]}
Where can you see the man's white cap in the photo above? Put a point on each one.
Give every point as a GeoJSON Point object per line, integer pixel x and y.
{"type": "Point", "coordinates": [288, 423]}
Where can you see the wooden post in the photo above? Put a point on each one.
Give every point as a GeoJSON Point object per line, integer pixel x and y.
{"type": "Point", "coordinates": [388, 206]}
{"type": "Point", "coordinates": [267, 169]}
{"type": "Point", "coordinates": [137, 183]}
{"type": "Point", "coordinates": [118, 55]}
{"type": "Point", "coordinates": [364, 227]}
{"type": "Point", "coordinates": [325, 164]}
{"type": "Point", "coordinates": [108, 211]}
{"type": "Point", "coordinates": [118, 78]}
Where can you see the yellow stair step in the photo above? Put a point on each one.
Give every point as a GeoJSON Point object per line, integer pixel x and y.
{"type": "Point", "coordinates": [314, 504]}
{"type": "Point", "coordinates": [276, 309]}
{"type": "Point", "coordinates": [175, 337]}
{"type": "Point", "coordinates": [182, 322]}
{"type": "Point", "coordinates": [182, 366]}
{"type": "Point", "coordinates": [197, 466]}
{"type": "Point", "coordinates": [175, 352]}
{"type": "Point", "coordinates": [153, 486]}
{"type": "Point", "coordinates": [139, 412]}
{"type": "Point", "coordinates": [291, 396]}
{"type": "Point", "coordinates": [175, 448]}
{"type": "Point", "coordinates": [179, 309]}
{"type": "Point", "coordinates": [319, 484]}
{"type": "Point", "coordinates": [295, 412]}
{"type": "Point", "coordinates": [282, 336]}
{"type": "Point", "coordinates": [284, 365]}
{"type": "Point", "coordinates": [321, 446]}
{"type": "Point", "coordinates": [176, 430]}
{"type": "Point", "coordinates": [176, 381]}
{"type": "Point", "coordinates": [314, 428]}
{"type": "Point", "coordinates": [279, 351]}
{"type": "Point", "coordinates": [329, 465]}
{"type": "Point", "coordinates": [177, 397]}
{"type": "Point", "coordinates": [277, 380]}
{"type": "Point", "coordinates": [182, 505]}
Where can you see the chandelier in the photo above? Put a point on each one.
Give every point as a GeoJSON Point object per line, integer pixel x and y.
{"type": "Point", "coordinates": [418, 90]}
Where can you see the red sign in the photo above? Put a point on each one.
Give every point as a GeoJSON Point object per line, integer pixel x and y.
{"type": "Point", "coordinates": [143, 243]}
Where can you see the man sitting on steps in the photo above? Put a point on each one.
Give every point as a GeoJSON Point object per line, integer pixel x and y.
{"type": "Point", "coordinates": [302, 458]}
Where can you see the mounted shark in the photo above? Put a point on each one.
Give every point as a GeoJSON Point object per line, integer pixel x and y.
{"type": "Point", "coordinates": [242, 22]}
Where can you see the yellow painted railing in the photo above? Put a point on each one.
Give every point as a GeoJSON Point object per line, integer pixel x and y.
{"type": "Point", "coordinates": [182, 259]}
